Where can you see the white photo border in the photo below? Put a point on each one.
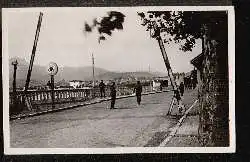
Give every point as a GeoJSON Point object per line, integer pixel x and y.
{"type": "Point", "coordinates": [120, 150]}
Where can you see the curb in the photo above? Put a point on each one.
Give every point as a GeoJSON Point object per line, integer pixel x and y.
{"type": "Point", "coordinates": [177, 126]}
{"type": "Point", "coordinates": [78, 105]}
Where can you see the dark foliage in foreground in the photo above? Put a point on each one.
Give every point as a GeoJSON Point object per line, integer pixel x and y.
{"type": "Point", "coordinates": [107, 24]}
{"type": "Point", "coordinates": [185, 27]}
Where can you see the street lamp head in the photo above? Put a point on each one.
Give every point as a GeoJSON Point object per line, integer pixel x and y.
{"type": "Point", "coordinates": [14, 62]}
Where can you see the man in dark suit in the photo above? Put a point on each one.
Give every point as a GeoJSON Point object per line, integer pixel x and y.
{"type": "Point", "coordinates": [102, 88]}
{"type": "Point", "coordinates": [138, 91]}
{"type": "Point", "coordinates": [181, 88]}
{"type": "Point", "coordinates": [113, 95]}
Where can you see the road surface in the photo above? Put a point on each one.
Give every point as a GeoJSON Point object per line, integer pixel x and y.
{"type": "Point", "coordinates": [96, 126]}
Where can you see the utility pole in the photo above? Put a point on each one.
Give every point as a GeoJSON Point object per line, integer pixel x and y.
{"type": "Point", "coordinates": [157, 35]}
{"type": "Point", "coordinates": [33, 52]}
{"type": "Point", "coordinates": [93, 69]}
{"type": "Point", "coordinates": [167, 64]}
{"type": "Point", "coordinates": [150, 81]}
{"type": "Point", "coordinates": [27, 102]}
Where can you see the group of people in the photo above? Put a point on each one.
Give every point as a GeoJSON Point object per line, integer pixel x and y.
{"type": "Point", "coordinates": [137, 91]}
{"type": "Point", "coordinates": [191, 81]}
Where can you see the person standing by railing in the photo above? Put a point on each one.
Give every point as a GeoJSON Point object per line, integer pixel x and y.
{"type": "Point", "coordinates": [113, 95]}
{"type": "Point", "coordinates": [102, 88]}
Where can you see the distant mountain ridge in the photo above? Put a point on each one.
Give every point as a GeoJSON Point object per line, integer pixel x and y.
{"type": "Point", "coordinates": [40, 76]}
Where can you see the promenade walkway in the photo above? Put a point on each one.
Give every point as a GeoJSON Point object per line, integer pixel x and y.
{"type": "Point", "coordinates": [95, 125]}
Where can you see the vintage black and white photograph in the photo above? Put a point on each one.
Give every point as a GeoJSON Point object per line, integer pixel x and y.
{"type": "Point", "coordinates": [118, 80]}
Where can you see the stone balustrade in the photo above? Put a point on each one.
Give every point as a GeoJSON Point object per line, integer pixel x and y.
{"type": "Point", "coordinates": [38, 97]}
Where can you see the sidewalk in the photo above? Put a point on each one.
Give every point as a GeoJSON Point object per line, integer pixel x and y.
{"type": "Point", "coordinates": [186, 134]}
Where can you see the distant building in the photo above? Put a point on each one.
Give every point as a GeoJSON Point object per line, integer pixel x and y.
{"type": "Point", "coordinates": [159, 82]}
{"type": "Point", "coordinates": [76, 83]}
{"type": "Point", "coordinates": [197, 62]}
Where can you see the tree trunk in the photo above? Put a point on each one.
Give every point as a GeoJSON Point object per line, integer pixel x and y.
{"type": "Point", "coordinates": [213, 93]}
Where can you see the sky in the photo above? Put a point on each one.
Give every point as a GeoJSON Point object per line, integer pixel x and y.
{"type": "Point", "coordinates": [63, 41]}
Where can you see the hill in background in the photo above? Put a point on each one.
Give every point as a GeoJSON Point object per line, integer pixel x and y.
{"type": "Point", "coordinates": [40, 76]}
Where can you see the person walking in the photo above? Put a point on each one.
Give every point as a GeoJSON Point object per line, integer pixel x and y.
{"type": "Point", "coordinates": [179, 101]}
{"type": "Point", "coordinates": [177, 96]}
{"type": "Point", "coordinates": [102, 88]}
{"type": "Point", "coordinates": [181, 88]}
{"type": "Point", "coordinates": [138, 91]}
{"type": "Point", "coordinates": [113, 95]}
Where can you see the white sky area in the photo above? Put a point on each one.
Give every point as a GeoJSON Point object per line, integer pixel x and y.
{"type": "Point", "coordinates": [63, 41]}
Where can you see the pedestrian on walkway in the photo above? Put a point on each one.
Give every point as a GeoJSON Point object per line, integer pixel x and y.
{"type": "Point", "coordinates": [138, 91]}
{"type": "Point", "coordinates": [177, 96]}
{"type": "Point", "coordinates": [179, 101]}
{"type": "Point", "coordinates": [181, 88]}
{"type": "Point", "coordinates": [113, 95]}
{"type": "Point", "coordinates": [102, 88]}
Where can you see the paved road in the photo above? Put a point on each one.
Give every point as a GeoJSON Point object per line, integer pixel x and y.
{"type": "Point", "coordinates": [97, 126]}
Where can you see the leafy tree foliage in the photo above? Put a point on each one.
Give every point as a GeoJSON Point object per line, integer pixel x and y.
{"type": "Point", "coordinates": [107, 24]}
{"type": "Point", "coordinates": [185, 27]}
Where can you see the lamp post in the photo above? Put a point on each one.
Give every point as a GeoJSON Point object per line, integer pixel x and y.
{"type": "Point", "coordinates": [52, 70]}
{"type": "Point", "coordinates": [14, 63]}
{"type": "Point", "coordinates": [52, 91]}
